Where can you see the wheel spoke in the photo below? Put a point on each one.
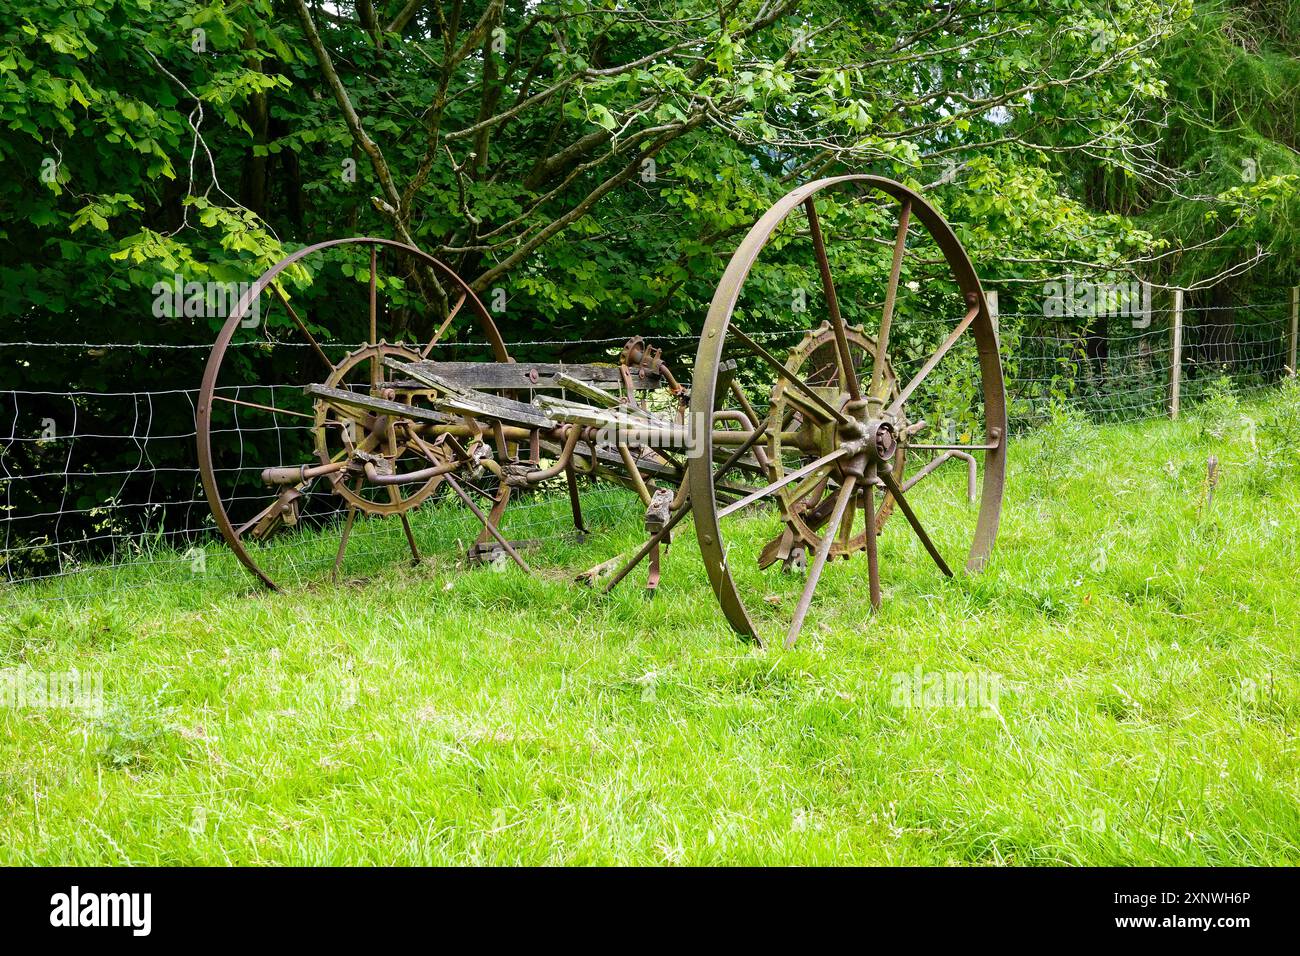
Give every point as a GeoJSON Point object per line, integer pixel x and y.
{"type": "Point", "coordinates": [793, 379]}
{"type": "Point", "coordinates": [873, 550]}
{"type": "Point", "coordinates": [846, 524]}
{"type": "Point", "coordinates": [897, 492]}
{"type": "Point", "coordinates": [819, 562]}
{"type": "Point", "coordinates": [451, 314]}
{"type": "Point", "coordinates": [375, 366]}
{"type": "Point", "coordinates": [934, 359]}
{"type": "Point", "coordinates": [265, 408]}
{"type": "Point", "coordinates": [891, 296]}
{"type": "Point", "coordinates": [781, 483]}
{"type": "Point", "coordinates": [302, 326]}
{"type": "Point", "coordinates": [848, 374]}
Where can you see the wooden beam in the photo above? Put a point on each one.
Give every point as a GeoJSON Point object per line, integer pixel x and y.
{"type": "Point", "coordinates": [516, 375]}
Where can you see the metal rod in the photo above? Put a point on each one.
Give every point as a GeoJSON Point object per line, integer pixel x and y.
{"type": "Point", "coordinates": [634, 473]}
{"type": "Point", "coordinates": [926, 446]}
{"type": "Point", "coordinates": [782, 482]}
{"type": "Point", "coordinates": [649, 546]}
{"type": "Point", "coordinates": [410, 537]}
{"type": "Point", "coordinates": [265, 408]}
{"type": "Point", "coordinates": [759, 455]}
{"type": "Point", "coordinates": [891, 295]}
{"type": "Point", "coordinates": [873, 550]}
{"type": "Point", "coordinates": [302, 326]}
{"type": "Point", "coordinates": [682, 511]}
{"type": "Point", "coordinates": [295, 474]}
{"type": "Point", "coordinates": [819, 562]}
{"type": "Point", "coordinates": [1295, 325]}
{"type": "Point", "coordinates": [934, 359]}
{"type": "Point", "coordinates": [972, 471]}
{"type": "Point", "coordinates": [1176, 356]}
{"type": "Point", "coordinates": [451, 314]}
{"type": "Point", "coordinates": [343, 542]}
{"type": "Point", "coordinates": [537, 476]}
{"type": "Point", "coordinates": [575, 503]}
{"type": "Point", "coordinates": [848, 375]}
{"type": "Point", "coordinates": [491, 528]}
{"type": "Point", "coordinates": [897, 492]}
{"type": "Point", "coordinates": [424, 474]}
{"type": "Point", "coordinates": [374, 318]}
{"type": "Point", "coordinates": [789, 376]}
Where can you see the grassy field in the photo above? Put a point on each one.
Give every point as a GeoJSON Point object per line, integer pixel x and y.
{"type": "Point", "coordinates": [1133, 648]}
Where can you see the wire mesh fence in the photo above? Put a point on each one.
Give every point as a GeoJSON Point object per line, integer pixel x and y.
{"type": "Point", "coordinates": [107, 479]}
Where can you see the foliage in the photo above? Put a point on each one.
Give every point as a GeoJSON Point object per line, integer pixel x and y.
{"type": "Point", "coordinates": [596, 162]}
{"type": "Point", "coordinates": [1059, 449]}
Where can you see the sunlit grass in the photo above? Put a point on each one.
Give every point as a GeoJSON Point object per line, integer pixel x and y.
{"type": "Point", "coordinates": [1143, 644]}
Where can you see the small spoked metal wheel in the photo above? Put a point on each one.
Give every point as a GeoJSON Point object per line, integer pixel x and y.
{"type": "Point", "coordinates": [343, 434]}
{"type": "Point", "coordinates": [321, 326]}
{"type": "Point", "coordinates": [806, 504]}
{"type": "Point", "coordinates": [904, 370]}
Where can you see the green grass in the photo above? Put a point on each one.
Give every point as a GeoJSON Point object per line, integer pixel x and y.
{"type": "Point", "coordinates": [1144, 645]}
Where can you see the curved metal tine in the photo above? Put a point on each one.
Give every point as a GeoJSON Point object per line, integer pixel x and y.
{"type": "Point", "coordinates": [302, 326]}
{"type": "Point", "coordinates": [451, 314]}
{"type": "Point", "coordinates": [906, 508]}
{"type": "Point", "coordinates": [819, 562]}
{"type": "Point", "coordinates": [781, 482]}
{"type": "Point", "coordinates": [776, 366]}
{"type": "Point", "coordinates": [934, 359]}
{"type": "Point", "coordinates": [243, 528]}
{"type": "Point", "coordinates": [891, 296]}
{"type": "Point", "coordinates": [848, 375]}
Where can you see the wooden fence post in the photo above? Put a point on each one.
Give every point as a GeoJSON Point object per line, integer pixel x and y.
{"type": "Point", "coordinates": [1176, 356]}
{"type": "Point", "coordinates": [1295, 320]}
{"type": "Point", "coordinates": [991, 297]}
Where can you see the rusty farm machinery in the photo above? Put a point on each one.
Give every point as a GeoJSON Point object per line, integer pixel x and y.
{"type": "Point", "coordinates": [823, 440]}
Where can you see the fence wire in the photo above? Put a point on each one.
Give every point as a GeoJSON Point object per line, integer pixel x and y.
{"type": "Point", "coordinates": [107, 478]}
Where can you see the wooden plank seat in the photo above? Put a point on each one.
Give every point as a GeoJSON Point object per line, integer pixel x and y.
{"type": "Point", "coordinates": [520, 375]}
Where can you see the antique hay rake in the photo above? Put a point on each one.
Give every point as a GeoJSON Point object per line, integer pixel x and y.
{"type": "Point", "coordinates": [774, 456]}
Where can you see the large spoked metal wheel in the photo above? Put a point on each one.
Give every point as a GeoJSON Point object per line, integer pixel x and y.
{"type": "Point", "coordinates": [842, 409]}
{"type": "Point", "coordinates": [323, 461]}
